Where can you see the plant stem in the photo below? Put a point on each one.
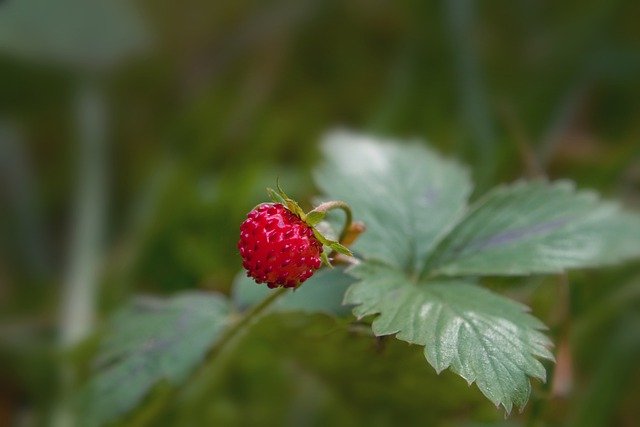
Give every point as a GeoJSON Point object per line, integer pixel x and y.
{"type": "Point", "coordinates": [338, 204]}
{"type": "Point", "coordinates": [207, 373]}
{"type": "Point", "coordinates": [80, 287]}
{"type": "Point", "coordinates": [249, 317]}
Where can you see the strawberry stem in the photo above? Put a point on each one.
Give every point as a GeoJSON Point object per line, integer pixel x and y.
{"type": "Point", "coordinates": [249, 316]}
{"type": "Point", "coordinates": [230, 338]}
{"type": "Point", "coordinates": [337, 204]}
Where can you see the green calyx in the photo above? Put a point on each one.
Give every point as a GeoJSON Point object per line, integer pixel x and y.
{"type": "Point", "coordinates": [314, 217]}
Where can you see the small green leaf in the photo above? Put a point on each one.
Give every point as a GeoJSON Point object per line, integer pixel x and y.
{"type": "Point", "coordinates": [321, 238]}
{"type": "Point", "coordinates": [275, 196]}
{"type": "Point", "coordinates": [314, 217]}
{"type": "Point", "coordinates": [280, 190]}
{"type": "Point", "coordinates": [408, 196]}
{"type": "Point", "coordinates": [331, 244]}
{"type": "Point", "coordinates": [537, 227]}
{"type": "Point", "coordinates": [341, 249]}
{"type": "Point", "coordinates": [483, 337]}
{"type": "Point", "coordinates": [149, 341]}
{"type": "Point", "coordinates": [293, 206]}
{"type": "Point", "coordinates": [326, 229]}
{"type": "Point", "coordinates": [325, 258]}
{"type": "Point", "coordinates": [321, 293]}
{"type": "Point", "coordinates": [281, 197]}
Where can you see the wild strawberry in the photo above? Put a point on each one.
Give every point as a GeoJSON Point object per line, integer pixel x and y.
{"type": "Point", "coordinates": [277, 247]}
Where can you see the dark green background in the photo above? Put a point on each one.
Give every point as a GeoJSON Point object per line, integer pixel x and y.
{"type": "Point", "coordinates": [226, 96]}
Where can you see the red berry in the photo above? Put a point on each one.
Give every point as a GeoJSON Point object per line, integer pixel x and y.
{"type": "Point", "coordinates": [277, 247]}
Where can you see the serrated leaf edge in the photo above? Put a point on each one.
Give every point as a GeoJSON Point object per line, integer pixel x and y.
{"type": "Point", "coordinates": [537, 326]}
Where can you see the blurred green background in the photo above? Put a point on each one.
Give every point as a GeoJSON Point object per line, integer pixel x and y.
{"type": "Point", "coordinates": [134, 136]}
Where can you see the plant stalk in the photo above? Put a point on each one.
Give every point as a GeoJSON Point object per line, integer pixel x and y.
{"type": "Point", "coordinates": [338, 204]}
{"type": "Point", "coordinates": [80, 286]}
{"type": "Point", "coordinates": [207, 373]}
{"type": "Point", "coordinates": [249, 317]}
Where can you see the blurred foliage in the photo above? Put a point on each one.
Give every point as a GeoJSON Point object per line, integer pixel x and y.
{"type": "Point", "coordinates": [366, 382]}
{"type": "Point", "coordinates": [230, 95]}
{"type": "Point", "coordinates": [150, 339]}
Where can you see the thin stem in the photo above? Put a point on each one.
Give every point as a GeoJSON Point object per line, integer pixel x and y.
{"type": "Point", "coordinates": [205, 375]}
{"type": "Point", "coordinates": [251, 315]}
{"type": "Point", "coordinates": [80, 287]}
{"type": "Point", "coordinates": [81, 282]}
{"type": "Point", "coordinates": [338, 204]}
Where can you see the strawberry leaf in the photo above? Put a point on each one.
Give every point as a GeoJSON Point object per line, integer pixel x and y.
{"type": "Point", "coordinates": [407, 195]}
{"type": "Point", "coordinates": [537, 227]}
{"type": "Point", "coordinates": [149, 341]}
{"type": "Point", "coordinates": [419, 230]}
{"type": "Point", "coordinates": [314, 217]}
{"type": "Point", "coordinates": [332, 244]}
{"type": "Point", "coordinates": [276, 197]}
{"type": "Point", "coordinates": [293, 206]}
{"type": "Point", "coordinates": [281, 197]}
{"type": "Point", "coordinates": [483, 337]}
{"type": "Point", "coordinates": [410, 199]}
{"type": "Point", "coordinates": [325, 258]}
{"type": "Point", "coordinates": [341, 249]}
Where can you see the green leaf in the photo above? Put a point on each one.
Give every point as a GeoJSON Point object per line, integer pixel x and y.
{"type": "Point", "coordinates": [325, 258]}
{"type": "Point", "coordinates": [331, 244]}
{"type": "Point", "coordinates": [314, 217]}
{"type": "Point", "coordinates": [408, 196]}
{"type": "Point", "coordinates": [485, 338]}
{"type": "Point", "coordinates": [326, 229]}
{"type": "Point", "coordinates": [341, 249]}
{"type": "Point", "coordinates": [149, 341]}
{"type": "Point", "coordinates": [275, 196]}
{"type": "Point", "coordinates": [290, 204]}
{"type": "Point", "coordinates": [293, 206]}
{"type": "Point", "coordinates": [321, 293]}
{"type": "Point", "coordinates": [538, 227]}
{"type": "Point", "coordinates": [325, 241]}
